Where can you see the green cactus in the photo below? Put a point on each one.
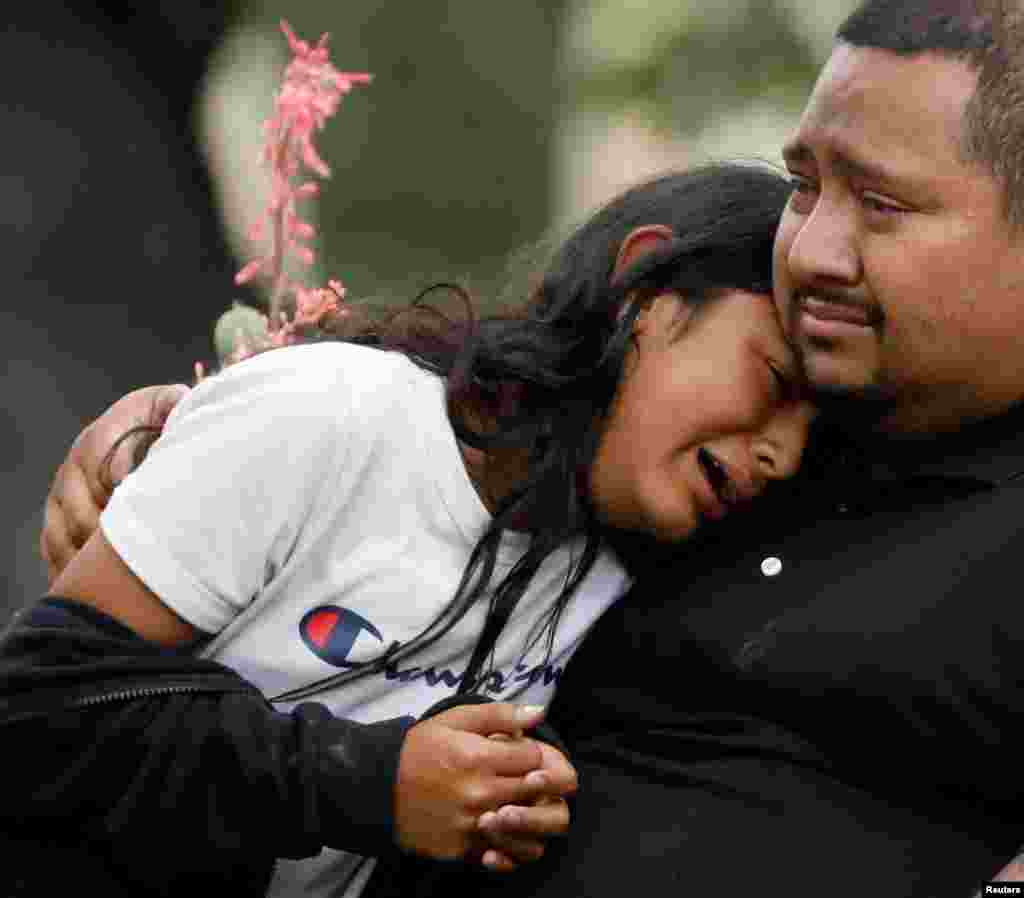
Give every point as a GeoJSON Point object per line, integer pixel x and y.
{"type": "Point", "coordinates": [243, 324]}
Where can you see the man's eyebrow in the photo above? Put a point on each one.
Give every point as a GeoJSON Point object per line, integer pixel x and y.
{"type": "Point", "coordinates": [844, 163]}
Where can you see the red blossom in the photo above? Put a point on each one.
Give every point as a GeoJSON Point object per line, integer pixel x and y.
{"type": "Point", "coordinates": [310, 93]}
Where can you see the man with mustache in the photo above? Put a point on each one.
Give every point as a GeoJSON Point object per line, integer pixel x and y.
{"type": "Point", "coordinates": [822, 696]}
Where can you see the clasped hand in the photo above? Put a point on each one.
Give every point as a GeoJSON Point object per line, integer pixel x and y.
{"type": "Point", "coordinates": [469, 786]}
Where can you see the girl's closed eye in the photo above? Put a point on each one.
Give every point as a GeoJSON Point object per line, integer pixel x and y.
{"type": "Point", "coordinates": [785, 384]}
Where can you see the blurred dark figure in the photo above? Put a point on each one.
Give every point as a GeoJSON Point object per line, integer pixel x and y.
{"type": "Point", "coordinates": [113, 252]}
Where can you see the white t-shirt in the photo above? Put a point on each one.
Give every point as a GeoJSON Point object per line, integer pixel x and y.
{"type": "Point", "coordinates": [310, 507]}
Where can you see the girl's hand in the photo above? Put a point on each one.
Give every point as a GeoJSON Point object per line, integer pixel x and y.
{"type": "Point", "coordinates": [80, 491]}
{"type": "Point", "coordinates": [450, 773]}
{"type": "Point", "coordinates": [515, 833]}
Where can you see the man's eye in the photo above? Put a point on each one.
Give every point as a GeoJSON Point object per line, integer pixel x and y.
{"type": "Point", "coordinates": [874, 203]}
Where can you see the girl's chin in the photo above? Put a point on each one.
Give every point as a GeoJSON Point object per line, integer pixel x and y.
{"type": "Point", "coordinates": [664, 521]}
{"type": "Point", "coordinates": [674, 531]}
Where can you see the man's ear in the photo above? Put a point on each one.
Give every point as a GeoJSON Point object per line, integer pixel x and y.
{"type": "Point", "coordinates": [639, 242]}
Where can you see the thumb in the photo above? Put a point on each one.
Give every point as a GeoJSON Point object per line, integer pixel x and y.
{"type": "Point", "coordinates": [166, 398]}
{"type": "Point", "coordinates": [494, 717]}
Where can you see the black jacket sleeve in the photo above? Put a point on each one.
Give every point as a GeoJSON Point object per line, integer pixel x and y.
{"type": "Point", "coordinates": [173, 764]}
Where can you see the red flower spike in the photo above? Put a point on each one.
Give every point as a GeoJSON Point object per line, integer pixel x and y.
{"type": "Point", "coordinates": [310, 92]}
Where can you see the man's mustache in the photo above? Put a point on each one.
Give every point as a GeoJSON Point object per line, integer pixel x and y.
{"type": "Point", "coordinates": [872, 313]}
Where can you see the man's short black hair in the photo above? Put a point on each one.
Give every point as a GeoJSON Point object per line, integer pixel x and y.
{"type": "Point", "coordinates": [954, 27]}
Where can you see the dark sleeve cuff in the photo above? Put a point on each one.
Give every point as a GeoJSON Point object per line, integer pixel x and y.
{"type": "Point", "coordinates": [163, 739]}
{"type": "Point", "coordinates": [356, 768]}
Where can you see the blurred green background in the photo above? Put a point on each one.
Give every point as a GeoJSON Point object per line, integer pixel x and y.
{"type": "Point", "coordinates": [130, 167]}
{"type": "Point", "coordinates": [490, 125]}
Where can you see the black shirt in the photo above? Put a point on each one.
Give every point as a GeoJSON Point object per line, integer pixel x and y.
{"type": "Point", "coordinates": [822, 696]}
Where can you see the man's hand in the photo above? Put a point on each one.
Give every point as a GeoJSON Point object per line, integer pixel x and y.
{"type": "Point", "coordinates": [452, 771]}
{"type": "Point", "coordinates": [81, 487]}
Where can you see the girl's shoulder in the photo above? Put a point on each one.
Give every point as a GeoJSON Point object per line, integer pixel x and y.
{"type": "Point", "coordinates": [328, 359]}
{"type": "Point", "coordinates": [344, 373]}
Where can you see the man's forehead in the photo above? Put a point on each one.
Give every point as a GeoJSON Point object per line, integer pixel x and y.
{"type": "Point", "coordinates": [931, 79]}
{"type": "Point", "coordinates": [870, 107]}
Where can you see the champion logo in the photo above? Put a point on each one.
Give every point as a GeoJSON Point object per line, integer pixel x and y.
{"type": "Point", "coordinates": [330, 632]}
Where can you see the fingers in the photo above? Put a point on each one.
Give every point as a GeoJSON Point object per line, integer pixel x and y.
{"type": "Point", "coordinates": [79, 503]}
{"type": "Point", "coordinates": [70, 517]}
{"type": "Point", "coordinates": [514, 850]}
{"type": "Point", "coordinates": [519, 790]}
{"type": "Point", "coordinates": [561, 774]}
{"type": "Point", "coordinates": [530, 823]}
{"type": "Point", "coordinates": [147, 407]}
{"type": "Point", "coordinates": [55, 545]}
{"type": "Point", "coordinates": [554, 777]}
{"type": "Point", "coordinates": [82, 486]}
{"type": "Point", "coordinates": [167, 397]}
{"type": "Point", "coordinates": [492, 718]}
{"type": "Point", "coordinates": [472, 759]}
{"type": "Point", "coordinates": [516, 835]}
{"type": "Point", "coordinates": [513, 758]}
{"type": "Point", "coordinates": [447, 777]}
{"type": "Point", "coordinates": [498, 862]}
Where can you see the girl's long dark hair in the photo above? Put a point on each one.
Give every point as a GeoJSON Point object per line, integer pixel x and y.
{"type": "Point", "coordinates": [542, 377]}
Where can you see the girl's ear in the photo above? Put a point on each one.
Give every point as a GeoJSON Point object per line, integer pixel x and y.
{"type": "Point", "coordinates": [639, 242]}
{"type": "Point", "coordinates": [661, 317]}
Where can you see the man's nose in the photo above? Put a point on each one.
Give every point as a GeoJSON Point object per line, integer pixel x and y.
{"type": "Point", "coordinates": [824, 251]}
